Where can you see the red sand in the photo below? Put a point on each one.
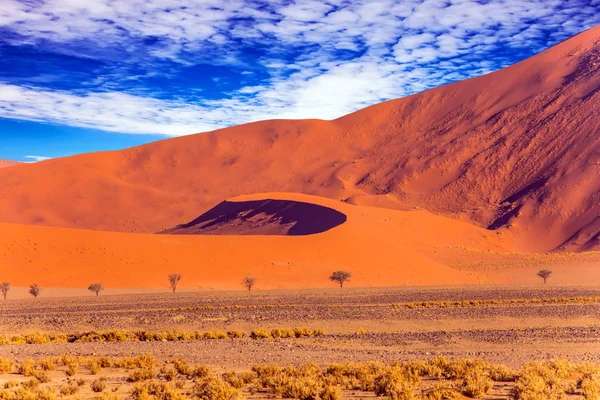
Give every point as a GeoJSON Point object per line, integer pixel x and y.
{"type": "Point", "coordinates": [7, 163]}
{"type": "Point", "coordinates": [517, 151]}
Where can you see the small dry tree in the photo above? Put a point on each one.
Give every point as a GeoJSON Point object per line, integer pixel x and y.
{"type": "Point", "coordinates": [4, 288]}
{"type": "Point", "coordinates": [544, 274]}
{"type": "Point", "coordinates": [96, 288]}
{"type": "Point", "coordinates": [174, 280]}
{"type": "Point", "coordinates": [34, 290]}
{"type": "Point", "coordinates": [340, 277]}
{"type": "Point", "coordinates": [249, 282]}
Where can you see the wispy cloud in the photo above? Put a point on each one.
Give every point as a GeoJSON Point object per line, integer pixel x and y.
{"type": "Point", "coordinates": [318, 59]}
{"type": "Point", "coordinates": [36, 158]}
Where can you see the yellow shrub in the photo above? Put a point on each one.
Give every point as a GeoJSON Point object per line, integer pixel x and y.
{"type": "Point", "coordinates": [442, 391]}
{"type": "Point", "coordinates": [98, 385]}
{"type": "Point", "coordinates": [27, 368]}
{"type": "Point", "coordinates": [69, 389]}
{"type": "Point", "coordinates": [501, 373]}
{"type": "Point", "coordinates": [233, 334]}
{"type": "Point", "coordinates": [94, 367]}
{"type": "Point", "coordinates": [539, 381]}
{"type": "Point", "coordinates": [215, 389]}
{"type": "Point", "coordinates": [283, 333]}
{"type": "Point", "coordinates": [156, 390]}
{"type": "Point", "coordinates": [141, 374]}
{"type": "Point", "coordinates": [396, 382]}
{"type": "Point", "coordinates": [330, 392]}
{"type": "Point", "coordinates": [5, 365]}
{"type": "Point", "coordinates": [182, 367]}
{"type": "Point", "coordinates": [233, 379]}
{"type": "Point", "coordinates": [590, 386]}
{"type": "Point", "coordinates": [47, 364]}
{"type": "Point", "coordinates": [476, 383]}
{"type": "Point", "coordinates": [260, 334]}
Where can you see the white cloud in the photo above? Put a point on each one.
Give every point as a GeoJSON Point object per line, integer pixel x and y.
{"type": "Point", "coordinates": [391, 49]}
{"type": "Point", "coordinates": [36, 158]}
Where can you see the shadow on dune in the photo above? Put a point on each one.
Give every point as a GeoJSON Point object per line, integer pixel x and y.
{"type": "Point", "coordinates": [262, 217]}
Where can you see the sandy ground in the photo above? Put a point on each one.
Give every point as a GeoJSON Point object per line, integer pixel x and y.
{"type": "Point", "coordinates": [510, 334]}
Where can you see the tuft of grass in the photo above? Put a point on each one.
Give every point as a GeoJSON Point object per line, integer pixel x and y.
{"type": "Point", "coordinates": [543, 381]}
{"type": "Point", "coordinates": [283, 333]}
{"type": "Point", "coordinates": [200, 372]}
{"type": "Point", "coordinates": [442, 391]}
{"type": "Point", "coordinates": [98, 385]}
{"type": "Point", "coordinates": [27, 368]}
{"type": "Point", "coordinates": [47, 364]}
{"type": "Point", "coordinates": [260, 334]}
{"type": "Point", "coordinates": [590, 385]}
{"type": "Point", "coordinates": [397, 382]}
{"type": "Point", "coordinates": [234, 334]}
{"type": "Point", "coordinates": [11, 384]}
{"type": "Point", "coordinates": [5, 365]}
{"type": "Point", "coordinates": [94, 367]}
{"type": "Point", "coordinates": [72, 369]}
{"type": "Point", "coordinates": [69, 389]}
{"type": "Point", "coordinates": [156, 390]}
{"type": "Point", "coordinates": [233, 379]}
{"type": "Point", "coordinates": [212, 388]}
{"type": "Point", "coordinates": [182, 367]}
{"type": "Point", "coordinates": [476, 383]}
{"type": "Point", "coordinates": [141, 374]}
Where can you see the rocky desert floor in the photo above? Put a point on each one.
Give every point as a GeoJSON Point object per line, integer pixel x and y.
{"type": "Point", "coordinates": [499, 325]}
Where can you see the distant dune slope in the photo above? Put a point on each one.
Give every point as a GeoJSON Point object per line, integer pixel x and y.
{"type": "Point", "coordinates": [381, 247]}
{"type": "Point", "coordinates": [517, 151]}
{"type": "Point", "coordinates": [7, 163]}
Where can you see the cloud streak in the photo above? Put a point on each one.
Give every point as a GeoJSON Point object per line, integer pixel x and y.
{"type": "Point", "coordinates": [316, 60]}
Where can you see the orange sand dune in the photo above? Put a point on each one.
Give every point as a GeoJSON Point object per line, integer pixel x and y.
{"type": "Point", "coordinates": [7, 163]}
{"type": "Point", "coordinates": [516, 151]}
{"type": "Point", "coordinates": [380, 247]}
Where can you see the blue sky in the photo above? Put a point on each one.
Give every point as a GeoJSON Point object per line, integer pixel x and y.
{"type": "Point", "coordinates": [80, 76]}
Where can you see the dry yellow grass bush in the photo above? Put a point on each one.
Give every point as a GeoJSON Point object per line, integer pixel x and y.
{"type": "Point", "coordinates": [156, 391]}
{"type": "Point", "coordinates": [5, 365]}
{"type": "Point", "coordinates": [442, 391]}
{"type": "Point", "coordinates": [27, 368]}
{"type": "Point", "coordinates": [590, 385]}
{"type": "Point", "coordinates": [93, 366]}
{"type": "Point", "coordinates": [47, 364]}
{"type": "Point", "coordinates": [501, 373]}
{"type": "Point", "coordinates": [11, 384]}
{"type": "Point", "coordinates": [476, 383]}
{"type": "Point", "coordinates": [233, 379]}
{"type": "Point", "coordinates": [212, 388]}
{"type": "Point", "coordinates": [182, 367]}
{"type": "Point", "coordinates": [24, 393]}
{"type": "Point", "coordinates": [141, 374]}
{"type": "Point", "coordinates": [98, 385]}
{"type": "Point", "coordinates": [69, 389]}
{"type": "Point", "coordinates": [541, 381]}
{"type": "Point", "coordinates": [397, 382]}
{"type": "Point", "coordinates": [260, 334]}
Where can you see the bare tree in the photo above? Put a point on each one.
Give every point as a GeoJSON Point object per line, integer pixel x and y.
{"type": "Point", "coordinates": [34, 290]}
{"type": "Point", "coordinates": [174, 280]}
{"type": "Point", "coordinates": [340, 277]}
{"type": "Point", "coordinates": [248, 282]}
{"type": "Point", "coordinates": [4, 288]}
{"type": "Point", "coordinates": [544, 274]}
{"type": "Point", "coordinates": [96, 288]}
